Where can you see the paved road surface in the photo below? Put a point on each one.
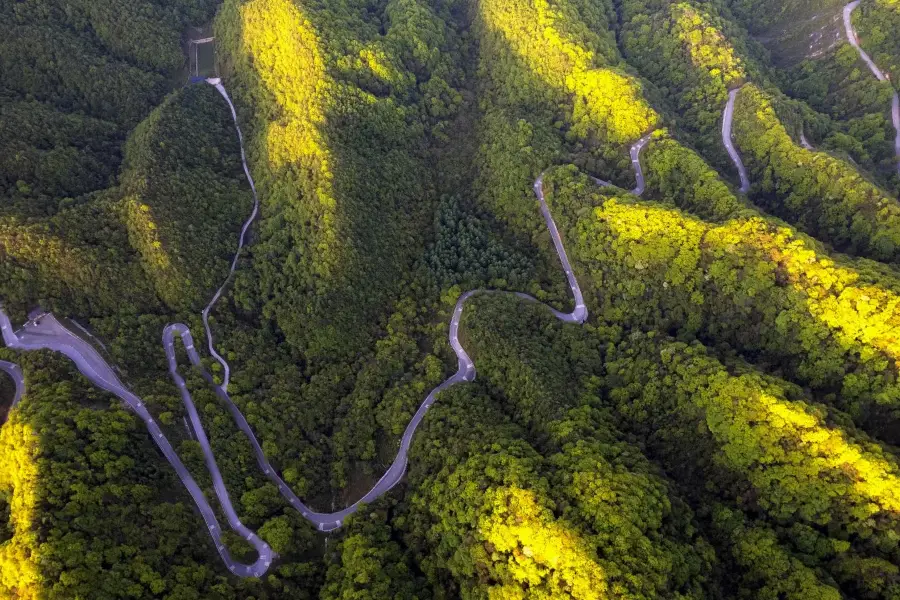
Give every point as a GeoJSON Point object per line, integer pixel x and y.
{"type": "Point", "coordinates": [217, 83]}
{"type": "Point", "coordinates": [47, 333]}
{"type": "Point", "coordinates": [805, 142]}
{"type": "Point", "coordinates": [727, 122]}
{"type": "Point", "coordinates": [635, 151]}
{"type": "Point", "coordinates": [854, 41]}
{"type": "Point", "coordinates": [14, 371]}
{"type": "Point", "coordinates": [636, 163]}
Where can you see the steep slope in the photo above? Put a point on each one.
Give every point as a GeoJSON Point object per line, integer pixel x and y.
{"type": "Point", "coordinates": [486, 505]}
{"type": "Point", "coordinates": [749, 282]}
{"type": "Point", "coordinates": [705, 434]}
{"type": "Point", "coordinates": [821, 194]}
{"type": "Point", "coordinates": [536, 385]}
{"type": "Point", "coordinates": [337, 139]}
{"type": "Point", "coordinates": [73, 86]}
{"type": "Point", "coordinates": [792, 30]}
{"type": "Point", "coordinates": [684, 49]}
{"type": "Point", "coordinates": [184, 197]}
{"type": "Point", "coordinates": [876, 23]}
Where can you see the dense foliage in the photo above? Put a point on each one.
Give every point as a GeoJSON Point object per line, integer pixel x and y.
{"type": "Point", "coordinates": [78, 470]}
{"type": "Point", "coordinates": [842, 87]}
{"type": "Point", "coordinates": [726, 424]}
{"type": "Point", "coordinates": [185, 198]}
{"type": "Point", "coordinates": [823, 195]}
{"type": "Point", "coordinates": [551, 84]}
{"type": "Point", "coordinates": [681, 47]}
{"type": "Point", "coordinates": [876, 23]}
{"type": "Point", "coordinates": [486, 503]}
{"type": "Point", "coordinates": [751, 283]}
{"type": "Point", "coordinates": [339, 118]}
{"type": "Point", "coordinates": [761, 445]}
{"type": "Point", "coordinates": [762, 15]}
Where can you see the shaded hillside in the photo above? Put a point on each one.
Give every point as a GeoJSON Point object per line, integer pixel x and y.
{"type": "Point", "coordinates": [724, 424]}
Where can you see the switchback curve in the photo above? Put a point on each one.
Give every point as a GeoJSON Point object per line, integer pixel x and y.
{"type": "Point", "coordinates": [635, 152]}
{"type": "Point", "coordinates": [47, 333]}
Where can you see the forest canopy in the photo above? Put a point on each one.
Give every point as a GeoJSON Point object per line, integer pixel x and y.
{"type": "Point", "coordinates": [442, 182]}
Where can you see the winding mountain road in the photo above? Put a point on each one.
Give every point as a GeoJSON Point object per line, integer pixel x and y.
{"type": "Point", "coordinates": [217, 83]}
{"type": "Point", "coordinates": [727, 123]}
{"type": "Point", "coordinates": [46, 333]}
{"type": "Point", "coordinates": [636, 164]}
{"type": "Point", "coordinates": [805, 142]}
{"type": "Point", "coordinates": [879, 74]}
{"type": "Point", "coordinates": [635, 153]}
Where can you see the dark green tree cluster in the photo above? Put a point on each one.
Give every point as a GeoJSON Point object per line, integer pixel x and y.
{"type": "Point", "coordinates": [540, 371]}
{"type": "Point", "coordinates": [762, 15]}
{"type": "Point", "coordinates": [697, 438]}
{"type": "Point", "coordinates": [339, 115]}
{"type": "Point", "coordinates": [876, 23]}
{"type": "Point", "coordinates": [46, 61]}
{"type": "Point", "coordinates": [489, 516]}
{"type": "Point", "coordinates": [464, 251]}
{"type": "Point", "coordinates": [48, 158]}
{"type": "Point", "coordinates": [758, 442]}
{"type": "Point", "coordinates": [147, 34]}
{"type": "Point", "coordinates": [185, 195]}
{"type": "Point", "coordinates": [102, 524]}
{"type": "Point", "coordinates": [822, 195]}
{"type": "Point", "coordinates": [684, 49]}
{"type": "Point", "coordinates": [749, 282]}
{"type": "Point", "coordinates": [370, 564]}
{"type": "Point", "coordinates": [841, 86]}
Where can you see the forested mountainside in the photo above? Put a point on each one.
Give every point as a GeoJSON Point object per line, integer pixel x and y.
{"type": "Point", "coordinates": [709, 187]}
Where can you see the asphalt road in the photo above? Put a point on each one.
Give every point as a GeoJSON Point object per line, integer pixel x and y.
{"type": "Point", "coordinates": [635, 152]}
{"type": "Point", "coordinates": [47, 333]}
{"type": "Point", "coordinates": [14, 371]}
{"type": "Point", "coordinates": [217, 83]}
{"type": "Point", "coordinates": [805, 142]}
{"type": "Point", "coordinates": [636, 164]}
{"type": "Point", "coordinates": [854, 41]}
{"type": "Point", "coordinates": [727, 123]}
